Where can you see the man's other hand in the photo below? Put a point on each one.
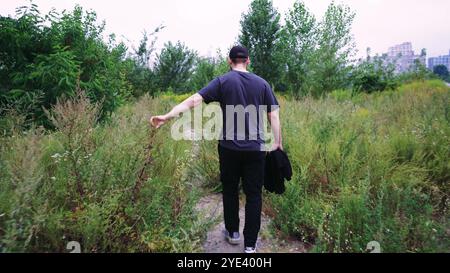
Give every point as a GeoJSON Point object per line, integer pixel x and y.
{"type": "Point", "coordinates": [276, 147]}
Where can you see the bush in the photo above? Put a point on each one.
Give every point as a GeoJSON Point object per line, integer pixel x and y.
{"type": "Point", "coordinates": [442, 72]}
{"type": "Point", "coordinates": [174, 67]}
{"type": "Point", "coordinates": [114, 187]}
{"type": "Point", "coordinates": [368, 169]}
{"type": "Point", "coordinates": [374, 75]}
{"type": "Point", "coordinates": [46, 57]}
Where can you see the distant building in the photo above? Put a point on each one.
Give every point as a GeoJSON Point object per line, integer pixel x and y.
{"type": "Point", "coordinates": [444, 60]}
{"type": "Point", "coordinates": [403, 57]}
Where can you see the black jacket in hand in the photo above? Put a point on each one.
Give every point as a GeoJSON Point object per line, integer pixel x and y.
{"type": "Point", "coordinates": [278, 168]}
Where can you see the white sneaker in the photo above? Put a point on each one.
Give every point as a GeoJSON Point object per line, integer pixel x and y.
{"type": "Point", "coordinates": [250, 249]}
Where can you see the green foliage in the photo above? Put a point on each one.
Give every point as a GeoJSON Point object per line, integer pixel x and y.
{"type": "Point", "coordinates": [417, 72]}
{"type": "Point", "coordinates": [374, 74]}
{"type": "Point", "coordinates": [115, 187]}
{"type": "Point", "coordinates": [368, 169]}
{"type": "Point", "coordinates": [298, 40]}
{"type": "Point", "coordinates": [442, 72]}
{"type": "Point", "coordinates": [260, 31]}
{"type": "Point", "coordinates": [46, 57]}
{"type": "Point", "coordinates": [142, 78]}
{"type": "Point", "coordinates": [206, 69]}
{"type": "Point", "coordinates": [302, 56]}
{"type": "Point", "coordinates": [174, 67]}
{"type": "Point", "coordinates": [208, 166]}
{"type": "Point", "coordinates": [335, 47]}
{"type": "Point", "coordinates": [204, 72]}
{"type": "Point", "coordinates": [366, 166]}
{"type": "Point", "coordinates": [222, 65]}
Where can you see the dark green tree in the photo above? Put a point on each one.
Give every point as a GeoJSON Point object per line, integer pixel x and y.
{"type": "Point", "coordinates": [174, 67]}
{"type": "Point", "coordinates": [43, 57]}
{"type": "Point", "coordinates": [334, 50]}
{"type": "Point", "coordinates": [203, 72]}
{"type": "Point", "coordinates": [298, 40]}
{"type": "Point", "coordinates": [207, 68]}
{"type": "Point", "coordinates": [418, 71]}
{"type": "Point", "coordinates": [373, 74]}
{"type": "Point", "coordinates": [442, 72]}
{"type": "Point", "coordinates": [140, 73]}
{"type": "Point", "coordinates": [260, 32]}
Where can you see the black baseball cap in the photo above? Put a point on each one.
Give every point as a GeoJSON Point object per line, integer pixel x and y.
{"type": "Point", "coordinates": [238, 52]}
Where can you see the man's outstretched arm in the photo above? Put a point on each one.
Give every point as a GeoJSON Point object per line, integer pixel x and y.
{"type": "Point", "coordinates": [274, 119]}
{"type": "Point", "coordinates": [186, 105]}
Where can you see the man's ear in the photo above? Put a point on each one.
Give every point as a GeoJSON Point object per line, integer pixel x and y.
{"type": "Point", "coordinates": [229, 61]}
{"type": "Point", "coordinates": [248, 61]}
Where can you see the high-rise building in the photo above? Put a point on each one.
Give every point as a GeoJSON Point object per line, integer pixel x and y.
{"type": "Point", "coordinates": [403, 57]}
{"type": "Point", "coordinates": [404, 49]}
{"type": "Point", "coordinates": [444, 60]}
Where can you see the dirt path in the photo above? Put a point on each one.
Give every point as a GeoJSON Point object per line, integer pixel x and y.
{"type": "Point", "coordinates": [210, 210]}
{"type": "Point", "coordinates": [210, 207]}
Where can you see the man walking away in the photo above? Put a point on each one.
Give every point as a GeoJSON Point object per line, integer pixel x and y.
{"type": "Point", "coordinates": [241, 148]}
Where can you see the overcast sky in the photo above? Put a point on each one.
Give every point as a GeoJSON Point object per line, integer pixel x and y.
{"type": "Point", "coordinates": [206, 25]}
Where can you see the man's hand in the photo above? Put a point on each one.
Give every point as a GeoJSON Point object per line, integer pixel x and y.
{"type": "Point", "coordinates": [158, 121]}
{"type": "Point", "coordinates": [274, 119]}
{"type": "Point", "coordinates": [189, 103]}
{"type": "Point", "coordinates": [276, 146]}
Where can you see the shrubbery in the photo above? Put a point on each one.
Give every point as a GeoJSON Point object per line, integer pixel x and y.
{"type": "Point", "coordinates": [368, 167]}
{"type": "Point", "coordinates": [44, 57]}
{"type": "Point", "coordinates": [374, 74]}
{"type": "Point", "coordinates": [113, 187]}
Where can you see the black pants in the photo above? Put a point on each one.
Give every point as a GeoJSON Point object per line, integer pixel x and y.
{"type": "Point", "coordinates": [248, 165]}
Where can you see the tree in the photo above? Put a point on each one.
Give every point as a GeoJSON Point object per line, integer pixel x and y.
{"type": "Point", "coordinates": [298, 40]}
{"type": "Point", "coordinates": [418, 71]}
{"type": "Point", "coordinates": [335, 48]}
{"type": "Point", "coordinates": [140, 73]}
{"type": "Point", "coordinates": [203, 72]}
{"type": "Point", "coordinates": [423, 53]}
{"type": "Point", "coordinates": [442, 72]}
{"type": "Point", "coordinates": [208, 68]}
{"type": "Point", "coordinates": [174, 67]}
{"type": "Point", "coordinates": [373, 74]}
{"type": "Point", "coordinates": [260, 31]}
{"type": "Point", "coordinates": [43, 57]}
{"type": "Point", "coordinates": [146, 47]}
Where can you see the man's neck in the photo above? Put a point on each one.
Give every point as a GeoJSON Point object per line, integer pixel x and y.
{"type": "Point", "coordinates": [240, 68]}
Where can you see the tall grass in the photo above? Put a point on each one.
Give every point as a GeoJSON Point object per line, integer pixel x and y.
{"type": "Point", "coordinates": [116, 186]}
{"type": "Point", "coordinates": [368, 167]}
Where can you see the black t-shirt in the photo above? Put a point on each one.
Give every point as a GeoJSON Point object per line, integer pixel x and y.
{"type": "Point", "coordinates": [244, 98]}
